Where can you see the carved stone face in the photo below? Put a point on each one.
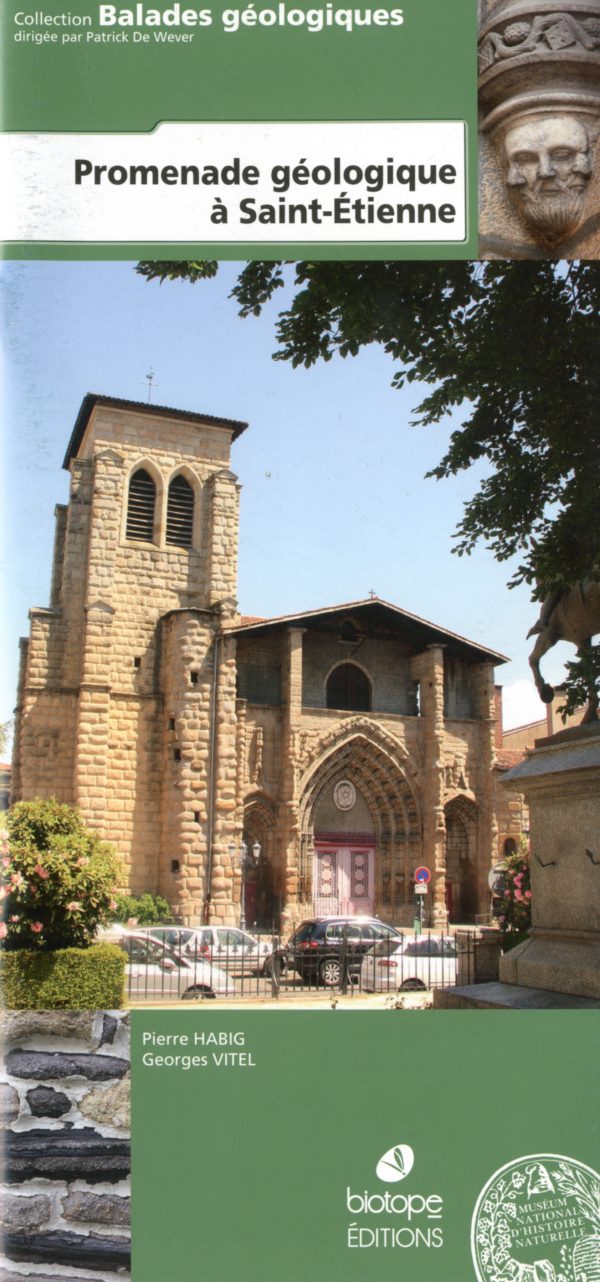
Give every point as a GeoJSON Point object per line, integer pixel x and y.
{"type": "Point", "coordinates": [549, 168]}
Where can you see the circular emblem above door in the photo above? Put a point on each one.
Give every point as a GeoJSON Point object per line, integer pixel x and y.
{"type": "Point", "coordinates": [344, 794]}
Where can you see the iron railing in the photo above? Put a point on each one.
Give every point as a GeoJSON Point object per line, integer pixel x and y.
{"type": "Point", "coordinates": [157, 971]}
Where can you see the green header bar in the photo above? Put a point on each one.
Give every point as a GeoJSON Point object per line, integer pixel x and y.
{"type": "Point", "coordinates": [115, 70]}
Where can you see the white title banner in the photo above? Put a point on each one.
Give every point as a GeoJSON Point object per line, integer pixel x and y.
{"type": "Point", "coordinates": [232, 182]}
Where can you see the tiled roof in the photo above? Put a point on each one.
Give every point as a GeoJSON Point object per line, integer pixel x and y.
{"type": "Point", "coordinates": [427, 633]}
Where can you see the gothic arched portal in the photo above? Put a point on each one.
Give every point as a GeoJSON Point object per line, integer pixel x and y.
{"type": "Point", "coordinates": [364, 859]}
{"type": "Point", "coordinates": [262, 898]}
{"type": "Point", "coordinates": [461, 860]}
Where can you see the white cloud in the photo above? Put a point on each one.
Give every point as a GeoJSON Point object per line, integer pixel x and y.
{"type": "Point", "coordinates": [521, 704]}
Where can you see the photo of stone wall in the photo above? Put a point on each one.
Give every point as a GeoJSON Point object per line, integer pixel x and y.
{"type": "Point", "coordinates": [64, 1099]}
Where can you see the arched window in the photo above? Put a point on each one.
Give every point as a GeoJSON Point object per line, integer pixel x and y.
{"type": "Point", "coordinates": [180, 513]}
{"type": "Point", "coordinates": [141, 502]}
{"type": "Point", "coordinates": [348, 689]}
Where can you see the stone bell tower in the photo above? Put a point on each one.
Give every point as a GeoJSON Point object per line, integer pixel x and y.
{"type": "Point", "coordinates": [126, 704]}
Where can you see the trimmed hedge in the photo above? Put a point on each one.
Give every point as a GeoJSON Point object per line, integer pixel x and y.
{"type": "Point", "coordinates": [66, 979]}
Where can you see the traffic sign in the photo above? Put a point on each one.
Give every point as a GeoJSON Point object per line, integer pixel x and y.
{"type": "Point", "coordinates": [421, 888]}
{"type": "Point", "coordinates": [422, 874]}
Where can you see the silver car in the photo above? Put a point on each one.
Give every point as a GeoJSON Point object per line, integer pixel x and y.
{"type": "Point", "coordinates": [154, 970]}
{"type": "Point", "coordinates": [230, 947]}
{"type": "Point", "coordinates": [415, 962]}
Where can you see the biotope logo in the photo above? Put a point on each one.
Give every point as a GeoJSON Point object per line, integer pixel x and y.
{"type": "Point", "coordinates": [538, 1220]}
{"type": "Point", "coordinates": [396, 1164]}
{"type": "Point", "coordinates": [414, 1217]}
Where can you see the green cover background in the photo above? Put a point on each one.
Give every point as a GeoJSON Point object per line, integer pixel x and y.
{"type": "Point", "coordinates": [424, 70]}
{"type": "Point", "coordinates": [241, 1175]}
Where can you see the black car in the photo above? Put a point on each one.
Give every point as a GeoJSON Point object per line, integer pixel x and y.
{"type": "Point", "coordinates": [322, 948]}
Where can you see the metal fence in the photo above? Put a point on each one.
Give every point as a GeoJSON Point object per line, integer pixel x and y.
{"type": "Point", "coordinates": [157, 971]}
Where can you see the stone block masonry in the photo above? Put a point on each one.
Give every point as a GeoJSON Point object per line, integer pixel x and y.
{"type": "Point", "coordinates": [115, 708]}
{"type": "Point", "coordinates": [64, 1105]}
{"type": "Point", "coordinates": [180, 729]}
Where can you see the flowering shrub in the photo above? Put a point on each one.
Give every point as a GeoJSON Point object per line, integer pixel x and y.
{"type": "Point", "coordinates": [57, 878]}
{"type": "Point", "coordinates": [513, 905]}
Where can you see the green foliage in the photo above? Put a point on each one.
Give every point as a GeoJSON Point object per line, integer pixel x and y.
{"type": "Point", "coordinates": [513, 906]}
{"type": "Point", "coordinates": [146, 909]}
{"type": "Point", "coordinates": [583, 673]}
{"type": "Point", "coordinates": [58, 878]}
{"type": "Point", "coordinates": [513, 345]}
{"type": "Point", "coordinates": [66, 979]}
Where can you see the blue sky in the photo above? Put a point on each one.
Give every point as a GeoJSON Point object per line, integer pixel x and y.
{"type": "Point", "coordinates": [334, 499]}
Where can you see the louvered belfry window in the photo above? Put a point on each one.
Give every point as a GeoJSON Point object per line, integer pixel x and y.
{"type": "Point", "coordinates": [180, 513]}
{"type": "Point", "coordinates": [140, 507]}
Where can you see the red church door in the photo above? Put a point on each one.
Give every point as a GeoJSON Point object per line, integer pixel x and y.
{"type": "Point", "coordinates": [343, 880]}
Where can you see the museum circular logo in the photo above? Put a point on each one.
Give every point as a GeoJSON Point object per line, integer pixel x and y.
{"type": "Point", "coordinates": [538, 1220]}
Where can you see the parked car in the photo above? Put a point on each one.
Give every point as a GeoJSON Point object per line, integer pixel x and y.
{"type": "Point", "coordinates": [231, 947]}
{"type": "Point", "coordinates": [318, 947]}
{"type": "Point", "coordinates": [417, 961]}
{"type": "Point", "coordinates": [153, 969]}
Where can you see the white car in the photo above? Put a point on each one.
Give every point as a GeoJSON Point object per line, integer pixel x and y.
{"type": "Point", "coordinates": [229, 946]}
{"type": "Point", "coordinates": [154, 970]}
{"type": "Point", "coordinates": [417, 961]}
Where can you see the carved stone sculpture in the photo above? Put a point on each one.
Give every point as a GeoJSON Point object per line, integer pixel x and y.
{"type": "Point", "coordinates": [539, 95]}
{"type": "Point", "coordinates": [549, 168]}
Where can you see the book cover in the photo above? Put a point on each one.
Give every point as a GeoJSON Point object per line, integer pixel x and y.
{"type": "Point", "coordinates": [362, 1036]}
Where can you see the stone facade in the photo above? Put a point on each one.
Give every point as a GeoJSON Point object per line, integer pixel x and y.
{"type": "Point", "coordinates": [64, 1097]}
{"type": "Point", "coordinates": [180, 729]}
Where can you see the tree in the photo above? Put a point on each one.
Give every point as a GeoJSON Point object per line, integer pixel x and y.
{"type": "Point", "coordinates": [513, 345]}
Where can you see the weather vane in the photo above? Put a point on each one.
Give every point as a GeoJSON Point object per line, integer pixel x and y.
{"type": "Point", "coordinates": [150, 379]}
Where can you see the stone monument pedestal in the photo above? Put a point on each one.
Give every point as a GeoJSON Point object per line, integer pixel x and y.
{"type": "Point", "coordinates": [558, 965]}
{"type": "Point", "coordinates": [561, 781]}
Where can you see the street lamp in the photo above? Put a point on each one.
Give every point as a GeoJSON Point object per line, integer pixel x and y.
{"type": "Point", "coordinates": [246, 859]}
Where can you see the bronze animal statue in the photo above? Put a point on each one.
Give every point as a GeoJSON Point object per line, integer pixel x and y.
{"type": "Point", "coordinates": [568, 614]}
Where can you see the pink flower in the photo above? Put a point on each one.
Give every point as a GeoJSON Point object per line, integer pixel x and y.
{"type": "Point", "coordinates": [37, 926]}
{"type": "Point", "coordinates": [3, 930]}
{"type": "Point", "coordinates": [73, 906]}
{"type": "Point", "coordinates": [528, 894]}
{"type": "Point", "coordinates": [6, 863]}
{"type": "Point", "coordinates": [41, 872]}
{"type": "Point", "coordinates": [81, 862]}
{"type": "Point", "coordinates": [15, 917]}
{"type": "Point", "coordinates": [17, 879]}
{"type": "Point", "coordinates": [112, 905]}
{"type": "Point", "coordinates": [132, 921]}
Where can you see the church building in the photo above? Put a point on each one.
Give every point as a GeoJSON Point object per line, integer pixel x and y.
{"type": "Point", "coordinates": [346, 747]}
